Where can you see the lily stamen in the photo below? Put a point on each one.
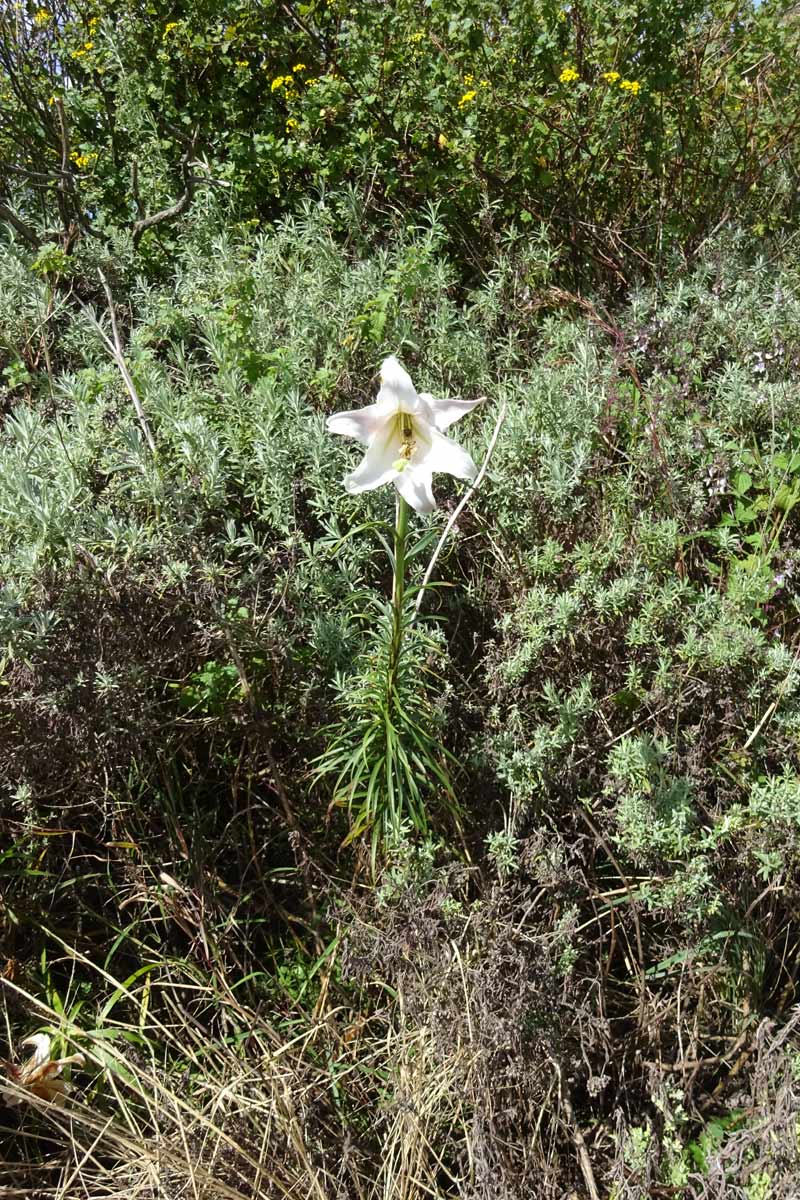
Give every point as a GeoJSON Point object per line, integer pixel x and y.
{"type": "Point", "coordinates": [406, 454]}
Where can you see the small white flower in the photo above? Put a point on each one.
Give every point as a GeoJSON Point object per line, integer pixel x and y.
{"type": "Point", "coordinates": [404, 436]}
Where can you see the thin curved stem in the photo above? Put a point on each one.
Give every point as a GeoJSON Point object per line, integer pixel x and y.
{"type": "Point", "coordinates": [458, 510]}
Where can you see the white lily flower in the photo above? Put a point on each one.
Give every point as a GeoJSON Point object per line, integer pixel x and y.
{"type": "Point", "coordinates": [39, 1075]}
{"type": "Point", "coordinates": [404, 435]}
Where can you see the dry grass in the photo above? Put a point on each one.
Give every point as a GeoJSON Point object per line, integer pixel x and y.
{"type": "Point", "coordinates": [165, 1109]}
{"type": "Point", "coordinates": [435, 1059]}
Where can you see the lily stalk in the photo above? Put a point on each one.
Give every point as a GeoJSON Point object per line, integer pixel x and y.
{"type": "Point", "coordinates": [384, 752]}
{"type": "Point", "coordinates": [398, 589]}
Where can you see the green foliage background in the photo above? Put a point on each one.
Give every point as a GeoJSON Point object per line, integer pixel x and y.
{"type": "Point", "coordinates": [629, 130]}
{"type": "Point", "coordinates": [602, 951]}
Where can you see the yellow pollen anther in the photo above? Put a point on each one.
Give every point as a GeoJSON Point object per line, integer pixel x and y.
{"type": "Point", "coordinates": [408, 446]}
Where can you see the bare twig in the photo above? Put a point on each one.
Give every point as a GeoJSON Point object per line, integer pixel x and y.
{"type": "Point", "coordinates": [771, 708]}
{"type": "Point", "coordinates": [115, 350]}
{"type": "Point", "coordinates": [459, 509]}
{"type": "Point", "coordinates": [137, 199]}
{"type": "Point", "coordinates": [173, 210]}
{"type": "Point", "coordinates": [25, 231]}
{"type": "Point", "coordinates": [579, 1142]}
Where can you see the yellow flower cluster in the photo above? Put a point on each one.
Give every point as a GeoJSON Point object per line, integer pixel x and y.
{"type": "Point", "coordinates": [417, 37]}
{"type": "Point", "coordinates": [568, 75]}
{"type": "Point", "coordinates": [168, 28]}
{"type": "Point", "coordinates": [291, 124]}
{"type": "Point", "coordinates": [41, 17]}
{"type": "Point", "coordinates": [87, 46]}
{"type": "Point", "coordinates": [466, 99]}
{"type": "Point", "coordinates": [610, 76]}
{"type": "Point", "coordinates": [632, 86]}
{"type": "Point", "coordinates": [468, 79]}
{"type": "Point", "coordinates": [242, 64]}
{"type": "Point", "coordinates": [82, 161]}
{"type": "Point", "coordinates": [290, 81]}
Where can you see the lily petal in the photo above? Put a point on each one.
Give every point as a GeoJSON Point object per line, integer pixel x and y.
{"type": "Point", "coordinates": [414, 485]}
{"type": "Point", "coordinates": [447, 412]}
{"type": "Point", "coordinates": [361, 423]}
{"type": "Point", "coordinates": [397, 393]}
{"type": "Point", "coordinates": [376, 466]}
{"type": "Point", "coordinates": [394, 376]}
{"type": "Point", "coordinates": [443, 454]}
{"type": "Point", "coordinates": [41, 1050]}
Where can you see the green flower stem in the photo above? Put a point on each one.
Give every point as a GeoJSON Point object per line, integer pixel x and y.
{"type": "Point", "coordinates": [399, 587]}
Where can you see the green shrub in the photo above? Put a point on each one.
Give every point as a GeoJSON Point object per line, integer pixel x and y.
{"type": "Point", "coordinates": [628, 132]}
{"type": "Point", "coordinates": [615, 667]}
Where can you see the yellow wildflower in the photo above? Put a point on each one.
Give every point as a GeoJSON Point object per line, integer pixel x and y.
{"type": "Point", "coordinates": [242, 64]}
{"type": "Point", "coordinates": [78, 53]}
{"type": "Point", "coordinates": [291, 124]}
{"type": "Point", "coordinates": [93, 23]}
{"type": "Point", "coordinates": [466, 99]}
{"type": "Point", "coordinates": [631, 85]}
{"type": "Point", "coordinates": [484, 83]}
{"type": "Point", "coordinates": [41, 17]}
{"type": "Point", "coordinates": [568, 75]}
{"type": "Point", "coordinates": [168, 28]}
{"type": "Point", "coordinates": [442, 142]}
{"type": "Point", "coordinates": [88, 45]}
{"type": "Point", "coordinates": [278, 82]}
{"type": "Point", "coordinates": [299, 67]}
{"type": "Point", "coordinates": [311, 82]}
{"type": "Point", "coordinates": [610, 76]}
{"type": "Point", "coordinates": [417, 37]}
{"type": "Point", "coordinates": [468, 79]}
